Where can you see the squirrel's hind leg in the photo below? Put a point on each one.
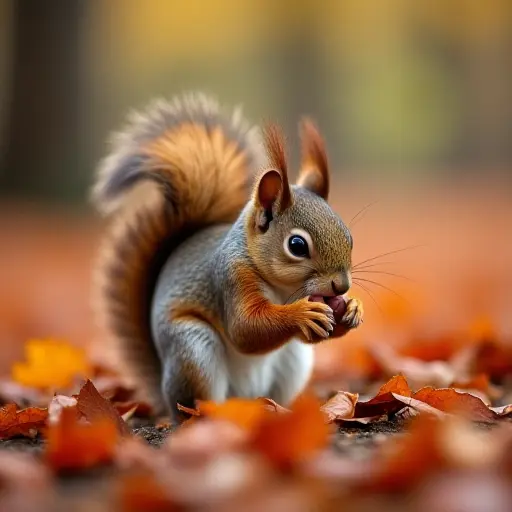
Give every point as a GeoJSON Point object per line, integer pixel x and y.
{"type": "Point", "coordinates": [194, 365]}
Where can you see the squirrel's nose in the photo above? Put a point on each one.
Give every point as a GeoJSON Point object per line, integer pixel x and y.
{"type": "Point", "coordinates": [340, 284]}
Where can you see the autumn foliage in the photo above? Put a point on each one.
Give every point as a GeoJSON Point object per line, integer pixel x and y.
{"type": "Point", "coordinates": [226, 452]}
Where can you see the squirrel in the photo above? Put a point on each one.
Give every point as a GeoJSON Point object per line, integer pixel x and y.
{"type": "Point", "coordinates": [216, 277]}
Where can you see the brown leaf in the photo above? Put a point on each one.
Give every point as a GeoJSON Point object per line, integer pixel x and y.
{"type": "Point", "coordinates": [96, 408]}
{"type": "Point", "coordinates": [420, 406]}
{"type": "Point", "coordinates": [26, 422]}
{"type": "Point", "coordinates": [504, 411]}
{"type": "Point", "coordinates": [75, 445]}
{"type": "Point", "coordinates": [340, 407]}
{"type": "Point", "coordinates": [272, 406]}
{"type": "Point", "coordinates": [384, 402]}
{"type": "Point", "coordinates": [451, 401]}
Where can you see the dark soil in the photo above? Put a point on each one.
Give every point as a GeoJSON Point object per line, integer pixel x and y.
{"type": "Point", "coordinates": [351, 438]}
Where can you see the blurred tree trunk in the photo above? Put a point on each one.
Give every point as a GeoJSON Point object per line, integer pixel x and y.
{"type": "Point", "coordinates": [43, 137]}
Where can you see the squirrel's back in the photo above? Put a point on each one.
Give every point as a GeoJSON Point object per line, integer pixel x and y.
{"type": "Point", "coordinates": [177, 168]}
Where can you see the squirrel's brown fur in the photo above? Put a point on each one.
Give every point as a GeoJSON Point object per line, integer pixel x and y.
{"type": "Point", "coordinates": [176, 169]}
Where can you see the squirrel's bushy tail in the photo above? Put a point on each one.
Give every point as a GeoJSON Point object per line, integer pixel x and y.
{"type": "Point", "coordinates": [178, 166]}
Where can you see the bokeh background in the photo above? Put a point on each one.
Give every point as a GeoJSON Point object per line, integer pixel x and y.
{"type": "Point", "coordinates": [414, 100]}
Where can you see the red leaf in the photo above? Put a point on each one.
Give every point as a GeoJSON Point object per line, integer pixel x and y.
{"type": "Point", "coordinates": [77, 445]}
{"type": "Point", "coordinates": [96, 408]}
{"type": "Point", "coordinates": [26, 422]}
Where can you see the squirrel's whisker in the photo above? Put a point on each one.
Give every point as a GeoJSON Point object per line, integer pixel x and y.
{"type": "Point", "coordinates": [361, 213]}
{"type": "Point", "coordinates": [387, 254]}
{"type": "Point", "coordinates": [383, 272]}
{"type": "Point", "coordinates": [369, 295]}
{"type": "Point", "coordinates": [382, 286]}
{"type": "Point", "coordinates": [371, 265]}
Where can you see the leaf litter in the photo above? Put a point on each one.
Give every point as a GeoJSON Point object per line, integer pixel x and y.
{"type": "Point", "coordinates": [261, 455]}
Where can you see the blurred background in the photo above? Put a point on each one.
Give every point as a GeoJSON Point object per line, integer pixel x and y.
{"type": "Point", "coordinates": [414, 100]}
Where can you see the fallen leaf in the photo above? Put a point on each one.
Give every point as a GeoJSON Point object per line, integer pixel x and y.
{"type": "Point", "coordinates": [419, 406]}
{"type": "Point", "coordinates": [50, 364]}
{"type": "Point", "coordinates": [384, 402]}
{"type": "Point", "coordinates": [451, 401]}
{"type": "Point", "coordinates": [75, 445]}
{"type": "Point", "coordinates": [242, 412]}
{"type": "Point", "coordinates": [57, 404]}
{"type": "Point", "coordinates": [503, 411]}
{"type": "Point", "coordinates": [273, 406]}
{"type": "Point", "coordinates": [286, 439]}
{"type": "Point", "coordinates": [340, 407]}
{"type": "Point", "coordinates": [96, 408]}
{"type": "Point", "coordinates": [24, 422]}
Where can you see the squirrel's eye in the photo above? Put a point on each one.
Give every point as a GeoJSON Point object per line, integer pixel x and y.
{"type": "Point", "coordinates": [298, 246]}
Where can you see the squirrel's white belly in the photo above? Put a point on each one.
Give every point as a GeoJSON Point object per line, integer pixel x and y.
{"type": "Point", "coordinates": [280, 375]}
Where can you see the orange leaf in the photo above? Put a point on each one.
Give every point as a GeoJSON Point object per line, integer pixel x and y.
{"type": "Point", "coordinates": [384, 402]}
{"type": "Point", "coordinates": [288, 438]}
{"type": "Point", "coordinates": [451, 401]}
{"type": "Point", "coordinates": [50, 365]}
{"type": "Point", "coordinates": [96, 408]}
{"type": "Point", "coordinates": [247, 414]}
{"type": "Point", "coordinates": [26, 422]}
{"type": "Point", "coordinates": [340, 407]}
{"type": "Point", "coordinates": [76, 445]}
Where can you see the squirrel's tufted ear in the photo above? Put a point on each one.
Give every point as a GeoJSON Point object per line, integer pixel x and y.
{"type": "Point", "coordinates": [272, 194]}
{"type": "Point", "coordinates": [269, 197]}
{"type": "Point", "coordinates": [314, 171]}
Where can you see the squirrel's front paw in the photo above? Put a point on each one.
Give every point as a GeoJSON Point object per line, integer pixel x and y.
{"type": "Point", "coordinates": [315, 319]}
{"type": "Point", "coordinates": [354, 312]}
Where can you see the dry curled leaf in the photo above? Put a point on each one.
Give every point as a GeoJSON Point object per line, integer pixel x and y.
{"type": "Point", "coordinates": [96, 408]}
{"type": "Point", "coordinates": [24, 422]}
{"type": "Point", "coordinates": [273, 406]}
{"type": "Point", "coordinates": [451, 401]}
{"type": "Point", "coordinates": [51, 364]}
{"type": "Point", "coordinates": [75, 445]}
{"type": "Point", "coordinates": [341, 406]}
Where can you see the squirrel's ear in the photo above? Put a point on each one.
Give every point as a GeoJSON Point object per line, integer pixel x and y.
{"type": "Point", "coordinates": [268, 197]}
{"type": "Point", "coordinates": [314, 171]}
